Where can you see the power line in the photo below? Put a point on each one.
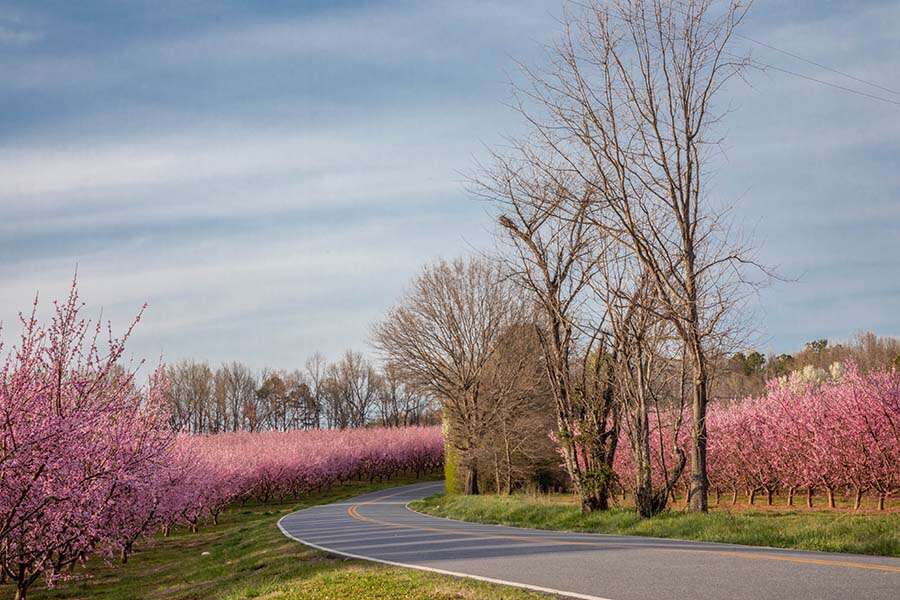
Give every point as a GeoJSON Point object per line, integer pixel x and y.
{"type": "Point", "coordinates": [796, 56]}
{"type": "Point", "coordinates": [817, 64]}
{"type": "Point", "coordinates": [765, 66]}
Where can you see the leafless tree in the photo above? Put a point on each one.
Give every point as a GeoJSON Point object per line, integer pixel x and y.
{"type": "Point", "coordinates": [628, 108]}
{"type": "Point", "coordinates": [442, 337]}
{"type": "Point", "coordinates": [553, 249]}
{"type": "Point", "coordinates": [351, 390]}
{"type": "Point", "coordinates": [237, 384]}
{"type": "Point", "coordinates": [519, 443]}
{"type": "Point", "coordinates": [285, 401]}
{"type": "Point", "coordinates": [315, 373]}
{"type": "Point", "coordinates": [645, 365]}
{"type": "Point", "coordinates": [190, 396]}
{"type": "Point", "coordinates": [400, 404]}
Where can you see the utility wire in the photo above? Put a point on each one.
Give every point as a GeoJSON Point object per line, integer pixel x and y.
{"type": "Point", "coordinates": [817, 64]}
{"type": "Point", "coordinates": [763, 66]}
{"type": "Point", "coordinates": [766, 66]}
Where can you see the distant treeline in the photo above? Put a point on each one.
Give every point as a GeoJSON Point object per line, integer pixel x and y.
{"type": "Point", "coordinates": [745, 373]}
{"type": "Point", "coordinates": [350, 392]}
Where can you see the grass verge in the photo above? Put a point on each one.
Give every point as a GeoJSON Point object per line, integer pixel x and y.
{"type": "Point", "coordinates": [248, 557]}
{"type": "Point", "coordinates": [829, 531]}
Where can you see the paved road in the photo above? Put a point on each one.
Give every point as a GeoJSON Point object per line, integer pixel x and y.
{"type": "Point", "coordinates": [380, 527]}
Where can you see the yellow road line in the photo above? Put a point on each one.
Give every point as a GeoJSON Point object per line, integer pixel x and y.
{"type": "Point", "coordinates": [811, 561]}
{"type": "Point", "coordinates": [353, 512]}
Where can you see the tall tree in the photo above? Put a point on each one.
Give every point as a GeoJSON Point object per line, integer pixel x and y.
{"type": "Point", "coordinates": [442, 336]}
{"type": "Point", "coordinates": [315, 372]}
{"type": "Point", "coordinates": [238, 387]}
{"type": "Point", "coordinates": [352, 387]}
{"type": "Point", "coordinates": [400, 404]}
{"type": "Point", "coordinates": [552, 250]}
{"type": "Point", "coordinates": [190, 394]}
{"type": "Point", "coordinates": [627, 107]}
{"type": "Point", "coordinates": [645, 372]}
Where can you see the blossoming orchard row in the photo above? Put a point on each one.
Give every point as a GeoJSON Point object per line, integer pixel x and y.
{"type": "Point", "coordinates": [216, 470]}
{"type": "Point", "coordinates": [89, 463]}
{"type": "Point", "coordinates": [840, 436]}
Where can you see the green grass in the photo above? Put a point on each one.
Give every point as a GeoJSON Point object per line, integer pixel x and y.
{"type": "Point", "coordinates": [250, 558]}
{"type": "Point", "coordinates": [830, 531]}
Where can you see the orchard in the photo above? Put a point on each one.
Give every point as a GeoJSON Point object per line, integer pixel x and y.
{"type": "Point", "coordinates": [89, 463]}
{"type": "Point", "coordinates": [840, 436]}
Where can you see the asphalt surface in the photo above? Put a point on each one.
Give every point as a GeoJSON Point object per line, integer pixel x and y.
{"type": "Point", "coordinates": [380, 527]}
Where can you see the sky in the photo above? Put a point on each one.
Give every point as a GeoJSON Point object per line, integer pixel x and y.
{"type": "Point", "coordinates": [268, 176]}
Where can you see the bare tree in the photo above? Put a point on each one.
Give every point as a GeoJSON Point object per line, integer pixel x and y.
{"type": "Point", "coordinates": [304, 402]}
{"type": "Point", "coordinates": [315, 373]}
{"type": "Point", "coordinates": [400, 403]}
{"type": "Point", "coordinates": [351, 388]}
{"type": "Point", "coordinates": [363, 384]}
{"type": "Point", "coordinates": [519, 443]}
{"type": "Point", "coordinates": [644, 378]}
{"type": "Point", "coordinates": [238, 387]}
{"type": "Point", "coordinates": [284, 401]}
{"type": "Point", "coordinates": [552, 249]}
{"type": "Point", "coordinates": [190, 396]}
{"type": "Point", "coordinates": [337, 415]}
{"type": "Point", "coordinates": [442, 336]}
{"type": "Point", "coordinates": [350, 392]}
{"type": "Point", "coordinates": [627, 107]}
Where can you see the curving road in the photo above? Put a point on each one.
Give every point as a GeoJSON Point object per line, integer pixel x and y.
{"type": "Point", "coordinates": [380, 527]}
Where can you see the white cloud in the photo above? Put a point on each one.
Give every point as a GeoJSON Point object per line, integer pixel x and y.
{"type": "Point", "coordinates": [311, 282]}
{"type": "Point", "coordinates": [11, 36]}
{"type": "Point", "coordinates": [374, 34]}
{"type": "Point", "coordinates": [262, 242]}
{"type": "Point", "coordinates": [226, 172]}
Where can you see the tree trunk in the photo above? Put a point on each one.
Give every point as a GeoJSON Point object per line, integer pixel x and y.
{"type": "Point", "coordinates": [718, 495]}
{"type": "Point", "coordinates": [593, 502]}
{"type": "Point", "coordinates": [594, 495]}
{"type": "Point", "coordinates": [644, 500]}
{"type": "Point", "coordinates": [751, 496]}
{"type": "Point", "coordinates": [650, 504]}
{"type": "Point", "coordinates": [791, 491]}
{"type": "Point", "coordinates": [881, 501]}
{"type": "Point", "coordinates": [470, 487]}
{"type": "Point", "coordinates": [857, 501]}
{"type": "Point", "coordinates": [699, 494]}
{"type": "Point", "coordinates": [734, 493]}
{"type": "Point", "coordinates": [809, 496]}
{"type": "Point", "coordinates": [508, 458]}
{"type": "Point", "coordinates": [830, 492]}
{"type": "Point", "coordinates": [769, 492]}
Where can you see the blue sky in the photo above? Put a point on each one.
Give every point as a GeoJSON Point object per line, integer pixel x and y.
{"type": "Point", "coordinates": [268, 177]}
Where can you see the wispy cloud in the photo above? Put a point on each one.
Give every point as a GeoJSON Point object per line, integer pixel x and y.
{"type": "Point", "coordinates": [269, 181]}
{"type": "Point", "coordinates": [11, 36]}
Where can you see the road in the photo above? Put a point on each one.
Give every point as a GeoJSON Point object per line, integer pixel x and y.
{"type": "Point", "coordinates": [380, 527]}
